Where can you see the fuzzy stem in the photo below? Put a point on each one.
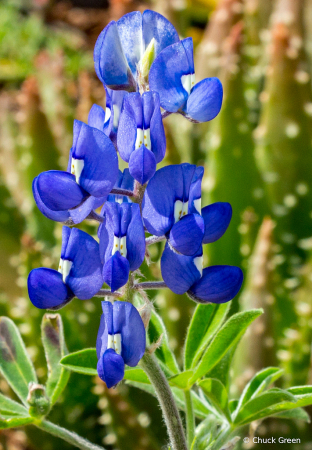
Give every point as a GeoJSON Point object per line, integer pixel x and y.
{"type": "Point", "coordinates": [153, 239]}
{"type": "Point", "coordinates": [165, 114]}
{"type": "Point", "coordinates": [150, 285]}
{"type": "Point", "coordinates": [166, 401]}
{"type": "Point", "coordinates": [139, 190]}
{"type": "Point", "coordinates": [107, 293]}
{"type": "Point", "coordinates": [190, 417]}
{"type": "Point", "coordinates": [118, 191]}
{"type": "Point", "coordinates": [66, 435]}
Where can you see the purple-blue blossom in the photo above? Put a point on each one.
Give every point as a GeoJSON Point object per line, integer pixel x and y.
{"type": "Point", "coordinates": [121, 340]}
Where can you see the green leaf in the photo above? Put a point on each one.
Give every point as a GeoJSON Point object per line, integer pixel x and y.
{"type": "Point", "coordinates": [224, 340]}
{"type": "Point", "coordinates": [84, 361]}
{"type": "Point", "coordinates": [217, 396]}
{"type": "Point", "coordinates": [259, 383]}
{"type": "Point", "coordinates": [206, 320]}
{"type": "Point", "coordinates": [10, 407]}
{"type": "Point", "coordinates": [15, 422]}
{"type": "Point", "coordinates": [294, 414]}
{"type": "Point", "coordinates": [261, 406]}
{"type": "Point", "coordinates": [52, 333]}
{"type": "Point", "coordinates": [15, 364]}
{"type": "Point", "coordinates": [181, 380]}
{"type": "Point", "coordinates": [164, 353]}
{"type": "Point", "coordinates": [136, 374]}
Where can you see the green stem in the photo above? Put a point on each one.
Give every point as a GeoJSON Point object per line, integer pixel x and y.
{"type": "Point", "coordinates": [190, 417]}
{"type": "Point", "coordinates": [66, 435]}
{"type": "Point", "coordinates": [166, 401]}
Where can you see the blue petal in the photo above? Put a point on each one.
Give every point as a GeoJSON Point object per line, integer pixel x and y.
{"type": "Point", "coordinates": [114, 100]}
{"type": "Point", "coordinates": [100, 170]}
{"type": "Point", "coordinates": [217, 217]}
{"type": "Point", "coordinates": [195, 190]}
{"type": "Point", "coordinates": [158, 27]}
{"type": "Point", "coordinates": [109, 59]}
{"type": "Point", "coordinates": [130, 32]}
{"type": "Point", "coordinates": [142, 164]}
{"type": "Point", "coordinates": [128, 322]}
{"type": "Point", "coordinates": [135, 238]}
{"type": "Point", "coordinates": [111, 368]}
{"type": "Point", "coordinates": [59, 191]}
{"type": "Point", "coordinates": [127, 130]}
{"type": "Point", "coordinates": [85, 276]}
{"type": "Point", "coordinates": [81, 211]}
{"type": "Point", "coordinates": [165, 76]}
{"type": "Point", "coordinates": [178, 271]}
{"type": "Point", "coordinates": [158, 137]}
{"type": "Point", "coordinates": [65, 237]}
{"type": "Point", "coordinates": [96, 118]}
{"type": "Point", "coordinates": [219, 284]}
{"type": "Point", "coordinates": [205, 100]}
{"type": "Point", "coordinates": [188, 47]}
{"type": "Point", "coordinates": [187, 234]}
{"type": "Point", "coordinates": [106, 327]}
{"type": "Point", "coordinates": [166, 186]}
{"type": "Point", "coordinates": [58, 216]}
{"type": "Point", "coordinates": [46, 289]}
{"type": "Point", "coordinates": [116, 271]}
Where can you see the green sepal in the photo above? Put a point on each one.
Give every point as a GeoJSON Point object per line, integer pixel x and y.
{"type": "Point", "coordinates": [84, 361]}
{"type": "Point", "coordinates": [15, 364]}
{"type": "Point", "coordinates": [52, 333]}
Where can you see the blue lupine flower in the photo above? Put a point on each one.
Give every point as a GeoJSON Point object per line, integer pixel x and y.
{"type": "Point", "coordinates": [121, 340]}
{"type": "Point", "coordinates": [172, 207]}
{"type": "Point", "coordinates": [108, 120]}
{"type": "Point", "coordinates": [141, 137]}
{"type": "Point", "coordinates": [122, 242]}
{"type": "Point", "coordinates": [121, 45]}
{"type": "Point", "coordinates": [214, 284]}
{"type": "Point", "coordinates": [124, 181]}
{"type": "Point", "coordinates": [172, 75]}
{"type": "Point", "coordinates": [91, 174]}
{"type": "Point", "coordinates": [79, 273]}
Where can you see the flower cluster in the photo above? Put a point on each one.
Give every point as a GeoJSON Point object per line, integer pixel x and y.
{"type": "Point", "coordinates": [148, 73]}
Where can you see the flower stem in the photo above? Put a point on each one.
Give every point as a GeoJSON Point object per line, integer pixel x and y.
{"type": "Point", "coordinates": [66, 435]}
{"type": "Point", "coordinates": [150, 285]}
{"type": "Point", "coordinates": [166, 401]}
{"type": "Point", "coordinates": [190, 418]}
{"type": "Point", "coordinates": [154, 239]}
{"type": "Point", "coordinates": [118, 191]}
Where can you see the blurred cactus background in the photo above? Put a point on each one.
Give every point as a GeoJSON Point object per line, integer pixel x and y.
{"type": "Point", "coordinates": [257, 155]}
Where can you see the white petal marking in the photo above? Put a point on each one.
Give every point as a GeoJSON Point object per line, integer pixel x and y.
{"type": "Point", "coordinates": [178, 206]}
{"type": "Point", "coordinates": [110, 341]}
{"type": "Point", "coordinates": [147, 139]}
{"type": "Point", "coordinates": [139, 138]}
{"type": "Point", "coordinates": [184, 209]}
{"type": "Point", "coordinates": [123, 246]}
{"type": "Point", "coordinates": [186, 81]}
{"type": "Point", "coordinates": [117, 343]}
{"type": "Point", "coordinates": [76, 168]}
{"type": "Point", "coordinates": [199, 262]}
{"type": "Point", "coordinates": [67, 265]}
{"type": "Point", "coordinates": [116, 245]}
{"type": "Point", "coordinates": [116, 110]}
{"type": "Point", "coordinates": [108, 114]}
{"type": "Point", "coordinates": [60, 267]}
{"type": "Point", "coordinates": [197, 204]}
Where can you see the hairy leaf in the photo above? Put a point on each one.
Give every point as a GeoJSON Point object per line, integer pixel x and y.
{"type": "Point", "coordinates": [217, 395]}
{"type": "Point", "coordinates": [83, 361]}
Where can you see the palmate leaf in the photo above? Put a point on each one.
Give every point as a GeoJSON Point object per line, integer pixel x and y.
{"type": "Point", "coordinates": [226, 338]}
{"type": "Point", "coordinates": [55, 348]}
{"type": "Point", "coordinates": [9, 407]}
{"type": "Point", "coordinates": [217, 396]}
{"type": "Point", "coordinates": [136, 374]}
{"type": "Point", "coordinates": [15, 364]}
{"type": "Point", "coordinates": [206, 320]}
{"type": "Point", "coordinates": [294, 414]}
{"type": "Point", "coordinates": [84, 361]}
{"type": "Point", "coordinates": [265, 404]}
{"type": "Point", "coordinates": [259, 383]}
{"type": "Point", "coordinates": [181, 380]}
{"type": "Point", "coordinates": [15, 422]}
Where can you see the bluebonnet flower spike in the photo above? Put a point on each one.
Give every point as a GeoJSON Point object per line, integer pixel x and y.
{"type": "Point", "coordinates": [79, 273]}
{"type": "Point", "coordinates": [124, 181]}
{"type": "Point", "coordinates": [121, 340]}
{"type": "Point", "coordinates": [141, 137]}
{"type": "Point", "coordinates": [215, 284]}
{"type": "Point", "coordinates": [121, 46]}
{"type": "Point", "coordinates": [122, 242]}
{"type": "Point", "coordinates": [93, 164]}
{"type": "Point", "coordinates": [172, 75]}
